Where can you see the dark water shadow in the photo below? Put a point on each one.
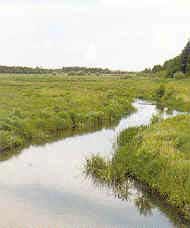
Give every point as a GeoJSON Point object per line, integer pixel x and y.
{"type": "Point", "coordinates": [144, 199]}
{"type": "Point", "coordinates": [58, 135]}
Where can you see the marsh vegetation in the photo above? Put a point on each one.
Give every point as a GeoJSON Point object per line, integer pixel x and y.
{"type": "Point", "coordinates": [36, 107]}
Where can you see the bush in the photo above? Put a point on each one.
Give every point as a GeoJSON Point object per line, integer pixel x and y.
{"type": "Point", "coordinates": [160, 92]}
{"type": "Point", "coordinates": [179, 75]}
{"type": "Point", "coordinates": [97, 167]}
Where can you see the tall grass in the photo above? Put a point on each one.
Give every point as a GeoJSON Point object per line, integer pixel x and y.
{"type": "Point", "coordinates": [33, 108]}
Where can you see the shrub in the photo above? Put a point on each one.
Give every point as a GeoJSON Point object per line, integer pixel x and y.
{"type": "Point", "coordinates": [179, 75]}
{"type": "Point", "coordinates": [160, 92]}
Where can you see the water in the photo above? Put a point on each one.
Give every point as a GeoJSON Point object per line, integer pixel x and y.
{"type": "Point", "coordinates": [44, 186]}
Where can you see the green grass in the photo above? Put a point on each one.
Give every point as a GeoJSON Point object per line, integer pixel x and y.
{"type": "Point", "coordinates": [33, 108]}
{"type": "Point", "coordinates": [160, 156]}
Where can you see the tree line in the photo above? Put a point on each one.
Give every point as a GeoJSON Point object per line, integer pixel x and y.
{"type": "Point", "coordinates": [67, 70]}
{"type": "Point", "coordinates": [176, 67]}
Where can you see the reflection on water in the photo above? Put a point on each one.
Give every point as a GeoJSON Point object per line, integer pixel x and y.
{"type": "Point", "coordinates": [44, 186]}
{"type": "Point", "coordinates": [59, 135]}
{"type": "Point", "coordinates": [145, 201]}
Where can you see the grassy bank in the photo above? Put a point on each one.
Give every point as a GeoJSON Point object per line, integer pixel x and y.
{"type": "Point", "coordinates": [157, 156]}
{"type": "Point", "coordinates": [171, 93]}
{"type": "Point", "coordinates": [34, 108]}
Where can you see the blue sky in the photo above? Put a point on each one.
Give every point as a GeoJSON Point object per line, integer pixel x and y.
{"type": "Point", "coordinates": [119, 34]}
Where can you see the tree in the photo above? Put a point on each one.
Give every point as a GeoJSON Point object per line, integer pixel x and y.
{"type": "Point", "coordinates": [180, 63]}
{"type": "Point", "coordinates": [185, 58]}
{"type": "Point", "coordinates": [160, 92]}
{"type": "Point", "coordinates": [156, 68]}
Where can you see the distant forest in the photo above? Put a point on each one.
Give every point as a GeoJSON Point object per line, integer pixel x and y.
{"type": "Point", "coordinates": [178, 67]}
{"type": "Point", "coordinates": [66, 70]}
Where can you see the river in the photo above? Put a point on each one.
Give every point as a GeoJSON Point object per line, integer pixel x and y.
{"type": "Point", "coordinates": [45, 186]}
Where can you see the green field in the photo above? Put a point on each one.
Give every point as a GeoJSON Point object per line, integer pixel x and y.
{"type": "Point", "coordinates": [35, 107]}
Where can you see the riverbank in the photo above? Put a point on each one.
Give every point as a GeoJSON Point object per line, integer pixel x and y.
{"type": "Point", "coordinates": [35, 108]}
{"type": "Point", "coordinates": [158, 156]}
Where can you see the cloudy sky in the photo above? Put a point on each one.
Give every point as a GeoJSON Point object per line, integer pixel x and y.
{"type": "Point", "coordinates": [119, 34]}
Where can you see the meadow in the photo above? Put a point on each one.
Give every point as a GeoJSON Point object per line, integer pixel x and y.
{"type": "Point", "coordinates": [33, 108]}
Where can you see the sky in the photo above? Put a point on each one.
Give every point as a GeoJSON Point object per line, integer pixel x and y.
{"type": "Point", "coordinates": [118, 34]}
